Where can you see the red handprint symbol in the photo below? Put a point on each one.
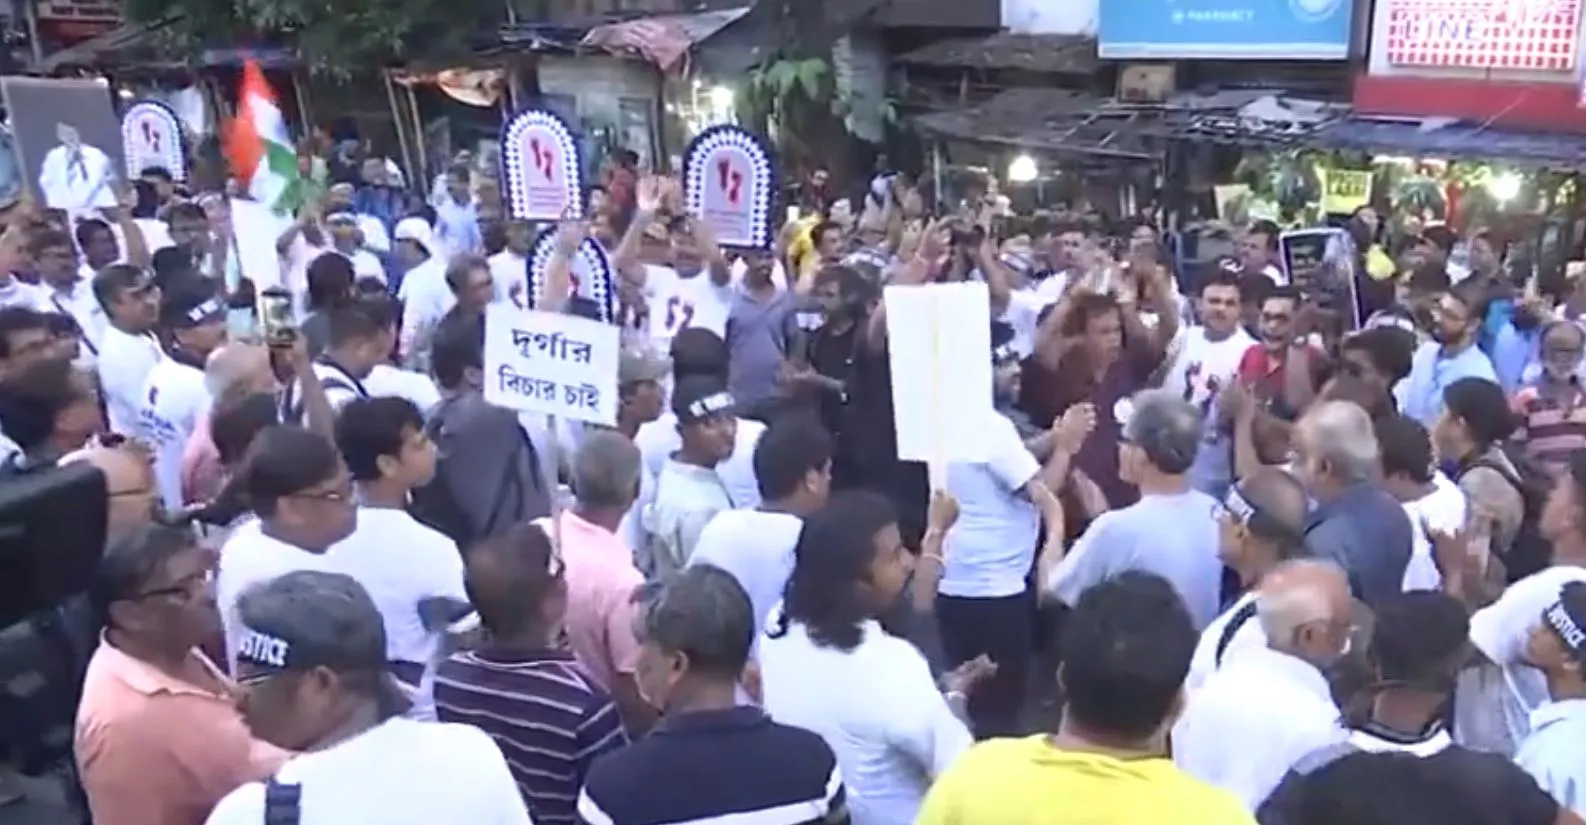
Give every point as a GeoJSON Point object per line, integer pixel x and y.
{"type": "Point", "coordinates": [679, 314]}
{"type": "Point", "coordinates": [151, 136]}
{"type": "Point", "coordinates": [730, 180]}
{"type": "Point", "coordinates": [544, 158]}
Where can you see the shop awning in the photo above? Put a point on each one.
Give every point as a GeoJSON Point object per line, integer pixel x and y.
{"type": "Point", "coordinates": [664, 40]}
{"type": "Point", "coordinates": [1456, 140]}
{"type": "Point", "coordinates": [1050, 120]}
{"type": "Point", "coordinates": [1247, 117]}
{"type": "Point", "coordinates": [1047, 53]}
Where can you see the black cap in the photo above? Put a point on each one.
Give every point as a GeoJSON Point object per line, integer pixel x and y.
{"type": "Point", "coordinates": [698, 397]}
{"type": "Point", "coordinates": [191, 304]}
{"type": "Point", "coordinates": [310, 619]}
{"type": "Point", "coordinates": [1567, 617]}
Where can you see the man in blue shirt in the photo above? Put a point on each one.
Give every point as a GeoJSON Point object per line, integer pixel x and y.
{"type": "Point", "coordinates": [1356, 522]}
{"type": "Point", "coordinates": [1452, 354]}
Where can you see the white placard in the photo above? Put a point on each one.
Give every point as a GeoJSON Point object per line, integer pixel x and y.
{"type": "Point", "coordinates": [256, 229]}
{"type": "Point", "coordinates": [939, 343]}
{"type": "Point", "coordinates": [552, 364]}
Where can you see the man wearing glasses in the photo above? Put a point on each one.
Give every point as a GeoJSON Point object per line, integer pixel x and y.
{"type": "Point", "coordinates": [158, 736]}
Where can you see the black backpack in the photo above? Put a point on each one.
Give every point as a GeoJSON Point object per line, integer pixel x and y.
{"type": "Point", "coordinates": [1530, 552]}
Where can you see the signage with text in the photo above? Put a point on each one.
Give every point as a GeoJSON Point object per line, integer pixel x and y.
{"type": "Point", "coordinates": [1224, 29]}
{"type": "Point", "coordinates": [1532, 35]}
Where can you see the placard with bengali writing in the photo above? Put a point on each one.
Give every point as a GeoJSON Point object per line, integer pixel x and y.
{"type": "Point", "coordinates": [552, 364]}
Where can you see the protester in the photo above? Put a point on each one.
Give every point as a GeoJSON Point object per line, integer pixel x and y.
{"type": "Point", "coordinates": [158, 735]}
{"type": "Point", "coordinates": [1275, 702]}
{"type": "Point", "coordinates": [1127, 645]}
{"type": "Point", "coordinates": [1261, 527]}
{"type": "Point", "coordinates": [709, 757]}
{"type": "Point", "coordinates": [898, 734]}
{"type": "Point", "coordinates": [312, 658]}
{"type": "Point", "coordinates": [548, 715]}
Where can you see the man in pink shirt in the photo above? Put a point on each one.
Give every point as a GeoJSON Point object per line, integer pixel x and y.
{"type": "Point", "coordinates": [601, 576]}
{"type": "Point", "coordinates": [159, 740]}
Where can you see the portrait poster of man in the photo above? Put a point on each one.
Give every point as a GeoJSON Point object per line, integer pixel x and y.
{"type": "Point", "coordinates": [68, 140]}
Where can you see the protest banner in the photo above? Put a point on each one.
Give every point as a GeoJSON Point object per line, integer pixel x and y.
{"type": "Point", "coordinates": [939, 344]}
{"type": "Point", "coordinates": [551, 364]}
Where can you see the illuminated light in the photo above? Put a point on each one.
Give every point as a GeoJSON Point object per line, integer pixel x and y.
{"type": "Point", "coordinates": [1505, 187]}
{"type": "Point", "coordinates": [721, 98]}
{"type": "Point", "coordinates": [1023, 169]}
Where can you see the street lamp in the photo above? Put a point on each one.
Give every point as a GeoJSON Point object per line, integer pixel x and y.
{"type": "Point", "coordinates": [1023, 170]}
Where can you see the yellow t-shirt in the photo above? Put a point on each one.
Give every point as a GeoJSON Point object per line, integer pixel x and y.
{"type": "Point", "coordinates": [1029, 782]}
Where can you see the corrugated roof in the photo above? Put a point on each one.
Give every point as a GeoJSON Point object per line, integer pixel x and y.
{"type": "Point", "coordinates": [1052, 53]}
{"type": "Point", "coordinates": [1456, 140]}
{"type": "Point", "coordinates": [1054, 120]}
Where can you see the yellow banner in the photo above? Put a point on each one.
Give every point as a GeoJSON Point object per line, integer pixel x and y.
{"type": "Point", "coordinates": [1344, 191]}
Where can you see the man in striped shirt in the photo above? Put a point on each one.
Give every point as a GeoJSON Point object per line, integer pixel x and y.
{"type": "Point", "coordinates": [709, 760]}
{"type": "Point", "coordinates": [546, 712]}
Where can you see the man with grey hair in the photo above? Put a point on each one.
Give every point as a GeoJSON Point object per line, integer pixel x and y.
{"type": "Point", "coordinates": [1357, 522]}
{"type": "Point", "coordinates": [601, 575]}
{"type": "Point", "coordinates": [1171, 531]}
{"type": "Point", "coordinates": [313, 657]}
{"type": "Point", "coordinates": [719, 759]}
{"type": "Point", "coordinates": [1261, 712]}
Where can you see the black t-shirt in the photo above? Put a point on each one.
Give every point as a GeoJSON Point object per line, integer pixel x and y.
{"type": "Point", "coordinates": [1485, 782]}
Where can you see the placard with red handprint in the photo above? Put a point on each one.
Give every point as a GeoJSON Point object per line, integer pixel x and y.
{"type": "Point", "coordinates": [590, 277]}
{"type": "Point", "coordinates": [540, 164]}
{"type": "Point", "coordinates": [152, 136]}
{"type": "Point", "coordinates": [728, 182]}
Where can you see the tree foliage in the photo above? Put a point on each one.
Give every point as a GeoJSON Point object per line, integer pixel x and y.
{"type": "Point", "coordinates": [339, 37]}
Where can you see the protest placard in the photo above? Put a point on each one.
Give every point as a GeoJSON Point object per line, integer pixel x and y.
{"type": "Point", "coordinates": [552, 364]}
{"type": "Point", "coordinates": [939, 343]}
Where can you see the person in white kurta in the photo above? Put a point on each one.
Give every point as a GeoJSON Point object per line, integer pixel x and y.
{"type": "Point", "coordinates": [75, 176]}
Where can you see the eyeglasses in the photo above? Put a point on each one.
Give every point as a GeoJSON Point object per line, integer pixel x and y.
{"type": "Point", "coordinates": [185, 589]}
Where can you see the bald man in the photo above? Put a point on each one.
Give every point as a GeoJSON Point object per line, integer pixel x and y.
{"type": "Point", "coordinates": [1262, 525]}
{"type": "Point", "coordinates": [1262, 711]}
{"type": "Point", "coordinates": [233, 372]}
{"type": "Point", "coordinates": [129, 484]}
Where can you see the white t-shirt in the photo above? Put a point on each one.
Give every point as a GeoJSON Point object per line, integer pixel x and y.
{"type": "Point", "coordinates": [173, 400]}
{"type": "Point", "coordinates": [990, 548]}
{"type": "Point", "coordinates": [425, 300]}
{"type": "Point", "coordinates": [1202, 367]}
{"type": "Point", "coordinates": [1247, 636]}
{"type": "Point", "coordinates": [657, 440]}
{"type": "Point", "coordinates": [1443, 510]}
{"type": "Point", "coordinates": [388, 381]}
{"type": "Point", "coordinates": [677, 302]}
{"type": "Point", "coordinates": [1023, 314]}
{"type": "Point", "coordinates": [1501, 630]}
{"type": "Point", "coordinates": [756, 547]}
{"type": "Point", "coordinates": [299, 255]}
{"type": "Point", "coordinates": [401, 772]}
{"type": "Point", "coordinates": [401, 563]}
{"type": "Point", "coordinates": [339, 389]}
{"type": "Point", "coordinates": [123, 365]}
{"type": "Point", "coordinates": [509, 275]}
{"type": "Point", "coordinates": [365, 265]}
{"type": "Point", "coordinates": [250, 557]}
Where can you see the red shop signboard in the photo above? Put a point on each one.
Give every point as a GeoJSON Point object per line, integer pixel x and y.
{"type": "Point", "coordinates": [1530, 35]}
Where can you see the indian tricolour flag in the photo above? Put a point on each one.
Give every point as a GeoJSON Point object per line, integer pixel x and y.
{"type": "Point", "coordinates": [259, 148]}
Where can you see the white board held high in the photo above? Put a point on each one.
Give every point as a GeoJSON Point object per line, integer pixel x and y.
{"type": "Point", "coordinates": [939, 344]}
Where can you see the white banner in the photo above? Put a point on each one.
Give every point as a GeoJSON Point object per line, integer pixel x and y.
{"type": "Point", "coordinates": [939, 341]}
{"type": "Point", "coordinates": [552, 364]}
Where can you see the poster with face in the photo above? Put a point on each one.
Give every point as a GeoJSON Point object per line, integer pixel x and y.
{"type": "Point", "coordinates": [68, 139]}
{"type": "Point", "coordinates": [539, 162]}
{"type": "Point", "coordinates": [151, 137]}
{"type": "Point", "coordinates": [728, 182]}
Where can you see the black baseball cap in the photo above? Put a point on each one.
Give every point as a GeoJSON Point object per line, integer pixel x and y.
{"type": "Point", "coordinates": [191, 304]}
{"type": "Point", "coordinates": [697, 398]}
{"type": "Point", "coordinates": [310, 619]}
{"type": "Point", "coordinates": [1567, 618]}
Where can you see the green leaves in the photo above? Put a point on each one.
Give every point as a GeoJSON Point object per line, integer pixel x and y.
{"type": "Point", "coordinates": [333, 38]}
